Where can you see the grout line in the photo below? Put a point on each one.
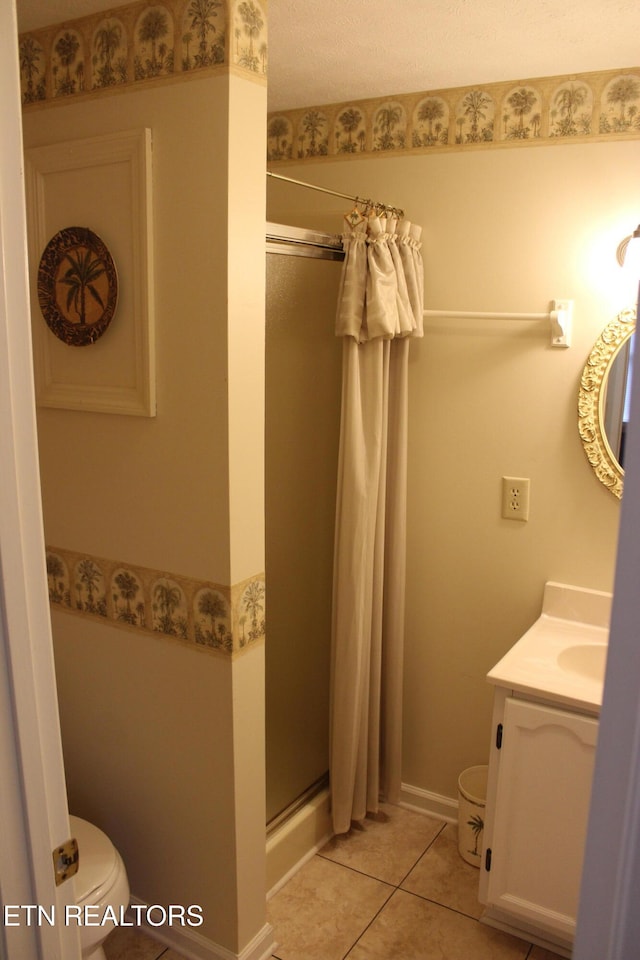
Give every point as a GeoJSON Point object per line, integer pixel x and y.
{"type": "Point", "coordinates": [371, 876]}
{"type": "Point", "coordinates": [444, 906]}
{"type": "Point", "coordinates": [373, 918]}
{"type": "Point", "coordinates": [395, 889]}
{"type": "Point", "coordinates": [426, 849]}
{"type": "Point", "coordinates": [346, 866]}
{"type": "Point", "coordinates": [461, 913]}
{"type": "Point", "coordinates": [398, 887]}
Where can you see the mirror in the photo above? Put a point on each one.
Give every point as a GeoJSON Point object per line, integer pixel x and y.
{"type": "Point", "coordinates": [604, 398]}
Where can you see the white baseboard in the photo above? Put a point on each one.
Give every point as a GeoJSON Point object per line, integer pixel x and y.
{"type": "Point", "coordinates": [193, 946]}
{"type": "Point", "coordinates": [434, 804]}
{"type": "Point", "coordinates": [297, 840]}
{"type": "Point", "coordinates": [298, 865]}
{"type": "Point", "coordinates": [557, 947]}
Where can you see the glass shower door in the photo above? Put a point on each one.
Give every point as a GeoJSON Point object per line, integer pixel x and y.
{"type": "Point", "coordinates": [303, 386]}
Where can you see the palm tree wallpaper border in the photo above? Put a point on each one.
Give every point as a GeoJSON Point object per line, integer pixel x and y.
{"type": "Point", "coordinates": [77, 286]}
{"type": "Point", "coordinates": [140, 42]}
{"type": "Point", "coordinates": [587, 107]}
{"type": "Point", "coordinates": [208, 616]}
{"type": "Point", "coordinates": [144, 41]}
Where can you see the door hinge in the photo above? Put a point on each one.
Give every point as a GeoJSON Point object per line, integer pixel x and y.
{"type": "Point", "coordinates": [66, 860]}
{"type": "Point", "coordinates": [499, 737]}
{"type": "Point", "coordinates": [487, 859]}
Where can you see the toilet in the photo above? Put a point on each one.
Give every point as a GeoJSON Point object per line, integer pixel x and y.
{"type": "Point", "coordinates": [101, 881]}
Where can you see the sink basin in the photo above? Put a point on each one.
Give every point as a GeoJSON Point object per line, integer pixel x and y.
{"type": "Point", "coordinates": [586, 659]}
{"type": "Point", "coordinates": [562, 656]}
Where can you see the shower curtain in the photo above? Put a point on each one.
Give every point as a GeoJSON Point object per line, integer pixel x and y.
{"type": "Point", "coordinates": [379, 309]}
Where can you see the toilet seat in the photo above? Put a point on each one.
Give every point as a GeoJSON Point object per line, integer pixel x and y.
{"type": "Point", "coordinates": [98, 861]}
{"type": "Point", "coordinates": [101, 883]}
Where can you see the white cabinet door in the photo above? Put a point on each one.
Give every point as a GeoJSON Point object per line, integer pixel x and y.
{"type": "Point", "coordinates": [540, 816]}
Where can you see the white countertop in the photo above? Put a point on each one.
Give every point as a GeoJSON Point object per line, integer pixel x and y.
{"type": "Point", "coordinates": [562, 656]}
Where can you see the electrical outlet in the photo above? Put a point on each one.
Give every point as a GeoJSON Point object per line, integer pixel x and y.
{"type": "Point", "coordinates": [515, 498]}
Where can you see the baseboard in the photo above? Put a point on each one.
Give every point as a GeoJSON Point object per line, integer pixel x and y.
{"type": "Point", "coordinates": [434, 804]}
{"type": "Point", "coordinates": [557, 947]}
{"type": "Point", "coordinates": [193, 946]}
{"type": "Point", "coordinates": [297, 840]}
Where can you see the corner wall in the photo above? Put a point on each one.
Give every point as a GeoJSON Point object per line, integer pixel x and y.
{"type": "Point", "coordinates": [164, 740]}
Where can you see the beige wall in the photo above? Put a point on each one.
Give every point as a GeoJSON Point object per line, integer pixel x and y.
{"type": "Point", "coordinates": [138, 765]}
{"type": "Point", "coordinates": [505, 230]}
{"type": "Point", "coordinates": [164, 744]}
{"type": "Point", "coordinates": [105, 462]}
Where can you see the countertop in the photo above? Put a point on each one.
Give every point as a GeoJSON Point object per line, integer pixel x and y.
{"type": "Point", "coordinates": [562, 656]}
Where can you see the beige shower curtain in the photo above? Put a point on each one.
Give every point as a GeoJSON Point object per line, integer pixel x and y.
{"type": "Point", "coordinates": [379, 309]}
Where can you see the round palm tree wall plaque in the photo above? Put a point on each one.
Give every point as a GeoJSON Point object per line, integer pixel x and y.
{"type": "Point", "coordinates": [77, 286]}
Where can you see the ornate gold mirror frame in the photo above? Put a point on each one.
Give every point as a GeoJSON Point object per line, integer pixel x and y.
{"type": "Point", "coordinates": [592, 397]}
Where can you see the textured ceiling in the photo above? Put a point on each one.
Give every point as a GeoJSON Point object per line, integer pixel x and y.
{"type": "Point", "coordinates": [325, 51]}
{"type": "Point", "coordinates": [364, 48]}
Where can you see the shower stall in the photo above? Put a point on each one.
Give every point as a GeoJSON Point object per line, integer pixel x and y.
{"type": "Point", "coordinates": [303, 393]}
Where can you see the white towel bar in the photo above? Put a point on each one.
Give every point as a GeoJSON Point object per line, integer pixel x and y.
{"type": "Point", "coordinates": [560, 316]}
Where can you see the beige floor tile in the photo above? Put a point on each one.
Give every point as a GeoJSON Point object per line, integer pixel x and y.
{"type": "Point", "coordinates": [443, 876]}
{"type": "Point", "coordinates": [130, 943]}
{"type": "Point", "coordinates": [409, 928]}
{"type": "Point", "coordinates": [385, 848]}
{"type": "Point", "coordinates": [322, 910]}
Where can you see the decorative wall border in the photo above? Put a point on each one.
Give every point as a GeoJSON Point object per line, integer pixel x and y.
{"type": "Point", "coordinates": [214, 618]}
{"type": "Point", "coordinates": [581, 107]}
{"type": "Point", "coordinates": [139, 43]}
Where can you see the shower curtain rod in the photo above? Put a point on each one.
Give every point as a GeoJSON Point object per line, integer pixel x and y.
{"type": "Point", "coordinates": [334, 193]}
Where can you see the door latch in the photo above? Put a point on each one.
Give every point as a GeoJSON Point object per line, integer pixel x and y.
{"type": "Point", "coordinates": [66, 859]}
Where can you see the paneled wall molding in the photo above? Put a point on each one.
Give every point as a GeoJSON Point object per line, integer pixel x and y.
{"type": "Point", "coordinates": [142, 42]}
{"type": "Point", "coordinates": [109, 178]}
{"type": "Point", "coordinates": [588, 107]}
{"type": "Point", "coordinates": [223, 620]}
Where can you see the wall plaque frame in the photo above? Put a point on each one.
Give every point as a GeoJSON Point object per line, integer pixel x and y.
{"type": "Point", "coordinates": [103, 183]}
{"type": "Point", "coordinates": [77, 286]}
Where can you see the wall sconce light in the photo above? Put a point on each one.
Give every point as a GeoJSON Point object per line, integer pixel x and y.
{"type": "Point", "coordinates": [628, 256]}
{"type": "Point", "coordinates": [628, 252]}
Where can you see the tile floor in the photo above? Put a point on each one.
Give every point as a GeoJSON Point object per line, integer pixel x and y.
{"type": "Point", "coordinates": [396, 889]}
{"type": "Point", "coordinates": [129, 943]}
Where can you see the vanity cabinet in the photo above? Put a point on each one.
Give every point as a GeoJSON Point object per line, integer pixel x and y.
{"type": "Point", "coordinates": [540, 773]}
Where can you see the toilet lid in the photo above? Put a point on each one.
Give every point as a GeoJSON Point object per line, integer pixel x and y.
{"type": "Point", "coordinates": [97, 857]}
